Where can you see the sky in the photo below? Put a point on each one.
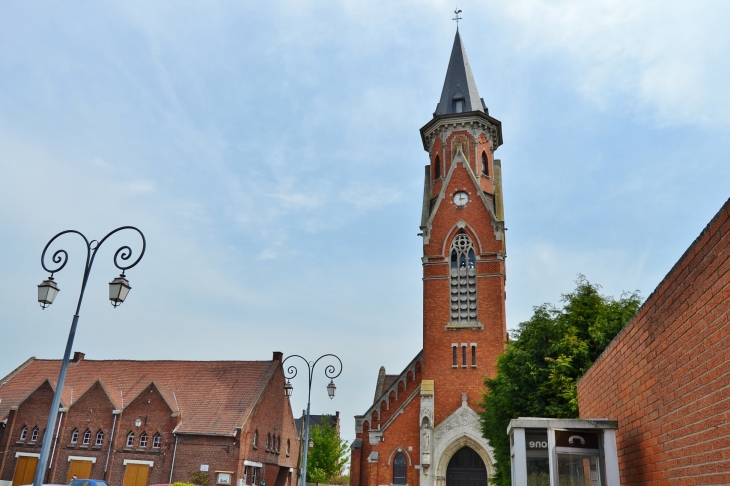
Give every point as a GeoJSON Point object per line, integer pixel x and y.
{"type": "Point", "coordinates": [270, 154]}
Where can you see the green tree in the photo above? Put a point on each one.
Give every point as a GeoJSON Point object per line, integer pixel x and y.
{"type": "Point", "coordinates": [328, 455]}
{"type": "Point", "coordinates": [544, 359]}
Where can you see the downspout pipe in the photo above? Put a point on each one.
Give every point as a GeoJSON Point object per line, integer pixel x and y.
{"type": "Point", "coordinates": [55, 440]}
{"type": "Point", "coordinates": [111, 441]}
{"type": "Point", "coordinates": [174, 452]}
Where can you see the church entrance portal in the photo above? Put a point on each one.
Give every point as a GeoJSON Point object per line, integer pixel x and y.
{"type": "Point", "coordinates": [466, 468]}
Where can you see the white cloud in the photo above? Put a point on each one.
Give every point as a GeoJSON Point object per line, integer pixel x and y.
{"type": "Point", "coordinates": [670, 57]}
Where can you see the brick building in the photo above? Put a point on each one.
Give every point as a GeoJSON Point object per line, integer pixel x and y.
{"type": "Point", "coordinates": [422, 427]}
{"type": "Point", "coordinates": [666, 376]}
{"type": "Point", "coordinates": [148, 422]}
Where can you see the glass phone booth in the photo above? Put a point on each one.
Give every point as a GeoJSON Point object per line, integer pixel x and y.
{"type": "Point", "coordinates": [563, 452]}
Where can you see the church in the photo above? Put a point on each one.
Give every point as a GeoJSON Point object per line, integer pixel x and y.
{"type": "Point", "coordinates": [423, 427]}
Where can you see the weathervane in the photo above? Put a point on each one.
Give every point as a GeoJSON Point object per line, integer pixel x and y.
{"type": "Point", "coordinates": [457, 18]}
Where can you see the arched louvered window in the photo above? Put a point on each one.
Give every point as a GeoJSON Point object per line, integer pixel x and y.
{"type": "Point", "coordinates": [485, 164]}
{"type": "Point", "coordinates": [399, 469]}
{"type": "Point", "coordinates": [463, 280]}
{"type": "Point", "coordinates": [436, 167]}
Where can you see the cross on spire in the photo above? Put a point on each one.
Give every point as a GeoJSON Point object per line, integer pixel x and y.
{"type": "Point", "coordinates": [457, 18]}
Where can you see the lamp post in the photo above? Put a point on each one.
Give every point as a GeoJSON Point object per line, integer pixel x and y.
{"type": "Point", "coordinates": [289, 373]}
{"type": "Point", "coordinates": [47, 291]}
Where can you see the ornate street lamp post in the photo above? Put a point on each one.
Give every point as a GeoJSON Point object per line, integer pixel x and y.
{"type": "Point", "coordinates": [47, 291]}
{"type": "Point", "coordinates": [290, 373]}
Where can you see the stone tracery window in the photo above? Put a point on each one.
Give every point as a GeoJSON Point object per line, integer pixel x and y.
{"type": "Point", "coordinates": [463, 280]}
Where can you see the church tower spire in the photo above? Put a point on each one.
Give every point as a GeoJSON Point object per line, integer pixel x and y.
{"type": "Point", "coordinates": [427, 415]}
{"type": "Point", "coordinates": [462, 224]}
{"type": "Point", "coordinates": [459, 93]}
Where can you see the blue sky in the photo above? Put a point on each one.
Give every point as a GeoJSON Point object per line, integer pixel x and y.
{"type": "Point", "coordinates": [271, 155]}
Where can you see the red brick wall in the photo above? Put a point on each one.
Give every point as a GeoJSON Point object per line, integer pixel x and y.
{"type": "Point", "coordinates": [666, 376]}
{"type": "Point", "coordinates": [272, 415]}
{"type": "Point", "coordinates": [31, 413]}
{"type": "Point", "coordinates": [94, 410]}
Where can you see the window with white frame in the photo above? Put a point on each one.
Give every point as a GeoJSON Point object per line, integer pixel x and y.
{"type": "Point", "coordinates": [143, 439]}
{"type": "Point", "coordinates": [130, 439]}
{"type": "Point", "coordinates": [87, 438]}
{"type": "Point", "coordinates": [156, 441]}
{"type": "Point", "coordinates": [23, 434]}
{"type": "Point", "coordinates": [34, 435]}
{"type": "Point", "coordinates": [75, 436]}
{"type": "Point", "coordinates": [99, 438]}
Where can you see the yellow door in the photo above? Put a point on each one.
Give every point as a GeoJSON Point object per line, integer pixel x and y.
{"type": "Point", "coordinates": [136, 475]}
{"type": "Point", "coordinates": [25, 470]}
{"type": "Point", "coordinates": [79, 469]}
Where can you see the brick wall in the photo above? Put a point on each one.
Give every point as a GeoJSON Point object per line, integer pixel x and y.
{"type": "Point", "coordinates": [149, 412]}
{"type": "Point", "coordinates": [666, 376]}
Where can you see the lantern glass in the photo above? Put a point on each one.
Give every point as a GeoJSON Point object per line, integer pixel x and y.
{"type": "Point", "coordinates": [288, 388]}
{"type": "Point", "coordinates": [47, 291]}
{"type": "Point", "coordinates": [118, 290]}
{"type": "Point", "coordinates": [331, 389]}
{"type": "Point", "coordinates": [311, 443]}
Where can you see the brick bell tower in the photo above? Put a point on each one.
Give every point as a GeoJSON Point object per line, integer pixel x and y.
{"type": "Point", "coordinates": [462, 224]}
{"type": "Point", "coordinates": [423, 425]}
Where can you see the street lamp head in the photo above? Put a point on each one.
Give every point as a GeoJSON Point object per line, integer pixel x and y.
{"type": "Point", "coordinates": [311, 443]}
{"type": "Point", "coordinates": [47, 291]}
{"type": "Point", "coordinates": [331, 389]}
{"type": "Point", "coordinates": [118, 290]}
{"type": "Point", "coordinates": [288, 388]}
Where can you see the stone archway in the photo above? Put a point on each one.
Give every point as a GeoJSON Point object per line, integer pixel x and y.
{"type": "Point", "coordinates": [476, 443]}
{"type": "Point", "coordinates": [466, 468]}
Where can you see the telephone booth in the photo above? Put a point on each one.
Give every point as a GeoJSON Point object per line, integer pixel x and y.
{"type": "Point", "coordinates": [563, 452]}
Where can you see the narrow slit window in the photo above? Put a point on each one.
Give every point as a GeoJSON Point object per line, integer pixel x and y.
{"type": "Point", "coordinates": [437, 167]}
{"type": "Point", "coordinates": [463, 354]}
{"type": "Point", "coordinates": [473, 355]}
{"type": "Point", "coordinates": [458, 106]}
{"type": "Point", "coordinates": [485, 164]}
{"type": "Point", "coordinates": [453, 347]}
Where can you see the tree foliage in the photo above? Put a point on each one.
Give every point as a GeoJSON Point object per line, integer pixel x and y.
{"type": "Point", "coordinates": [546, 356]}
{"type": "Point", "coordinates": [328, 455]}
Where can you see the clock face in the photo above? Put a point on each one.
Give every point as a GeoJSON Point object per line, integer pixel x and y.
{"type": "Point", "coordinates": [461, 198]}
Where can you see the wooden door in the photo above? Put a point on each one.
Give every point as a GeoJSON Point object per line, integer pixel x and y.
{"type": "Point", "coordinates": [25, 470]}
{"type": "Point", "coordinates": [80, 469]}
{"type": "Point", "coordinates": [136, 475]}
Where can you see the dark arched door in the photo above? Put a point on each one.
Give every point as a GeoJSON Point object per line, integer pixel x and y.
{"type": "Point", "coordinates": [466, 468]}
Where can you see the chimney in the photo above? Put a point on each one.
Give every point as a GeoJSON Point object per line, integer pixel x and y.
{"type": "Point", "coordinates": [278, 356]}
{"type": "Point", "coordinates": [78, 356]}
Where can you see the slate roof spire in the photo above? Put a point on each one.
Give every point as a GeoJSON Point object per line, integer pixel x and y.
{"type": "Point", "coordinates": [460, 91]}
